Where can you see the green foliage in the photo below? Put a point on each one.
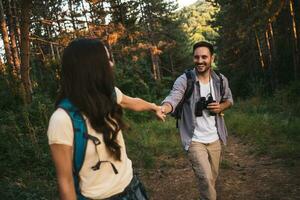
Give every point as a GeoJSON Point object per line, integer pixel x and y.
{"type": "Point", "coordinates": [252, 33]}
{"type": "Point", "coordinates": [197, 21]}
{"type": "Point", "coordinates": [8, 100]}
{"type": "Point", "coordinates": [287, 99]}
{"type": "Point", "coordinates": [26, 168]}
{"type": "Point", "coordinates": [135, 79]}
{"type": "Point", "coordinates": [178, 57]}
{"type": "Point", "coordinates": [272, 124]}
{"type": "Point", "coordinates": [45, 77]}
{"type": "Point", "coordinates": [149, 141]}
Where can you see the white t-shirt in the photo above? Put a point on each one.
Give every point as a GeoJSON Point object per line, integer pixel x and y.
{"type": "Point", "coordinates": [101, 183]}
{"type": "Point", "coordinates": [205, 129]}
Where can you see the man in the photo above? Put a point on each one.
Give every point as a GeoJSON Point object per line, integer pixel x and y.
{"type": "Point", "coordinates": [202, 126]}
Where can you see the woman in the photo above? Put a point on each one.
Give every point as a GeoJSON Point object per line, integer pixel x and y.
{"type": "Point", "coordinates": [87, 83]}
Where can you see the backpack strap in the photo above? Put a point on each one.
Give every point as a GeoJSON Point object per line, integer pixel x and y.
{"type": "Point", "coordinates": [222, 91]}
{"type": "Point", "coordinates": [79, 143]}
{"type": "Point", "coordinates": [81, 138]}
{"type": "Point", "coordinates": [187, 94]}
{"type": "Point", "coordinates": [190, 84]}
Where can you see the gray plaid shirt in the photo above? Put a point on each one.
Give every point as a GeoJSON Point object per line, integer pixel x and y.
{"type": "Point", "coordinates": [188, 119]}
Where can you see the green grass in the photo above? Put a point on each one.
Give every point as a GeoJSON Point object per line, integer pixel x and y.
{"type": "Point", "coordinates": [271, 133]}
{"type": "Point", "coordinates": [149, 141]}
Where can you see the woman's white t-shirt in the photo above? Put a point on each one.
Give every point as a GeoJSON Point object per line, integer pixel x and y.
{"type": "Point", "coordinates": [101, 183]}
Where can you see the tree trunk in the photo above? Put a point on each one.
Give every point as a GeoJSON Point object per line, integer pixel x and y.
{"type": "Point", "coordinates": [57, 52]}
{"type": "Point", "coordinates": [56, 49]}
{"type": "Point", "coordinates": [172, 64]}
{"type": "Point", "coordinates": [25, 49]}
{"type": "Point", "coordinates": [5, 38]}
{"type": "Point", "coordinates": [50, 43]}
{"type": "Point", "coordinates": [294, 41]}
{"type": "Point", "coordinates": [47, 28]}
{"type": "Point", "coordinates": [70, 3]}
{"type": "Point", "coordinates": [148, 21]}
{"type": "Point", "coordinates": [84, 12]}
{"type": "Point", "coordinates": [270, 60]}
{"type": "Point", "coordinates": [268, 45]}
{"type": "Point", "coordinates": [16, 22]}
{"type": "Point", "coordinates": [274, 55]}
{"type": "Point", "coordinates": [261, 58]}
{"type": "Point", "coordinates": [2, 69]}
{"type": "Point", "coordinates": [13, 40]}
{"type": "Point", "coordinates": [155, 65]}
{"type": "Point", "coordinates": [108, 44]}
{"type": "Point", "coordinates": [41, 52]}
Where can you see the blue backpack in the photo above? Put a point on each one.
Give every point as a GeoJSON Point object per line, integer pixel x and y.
{"type": "Point", "coordinates": [81, 138]}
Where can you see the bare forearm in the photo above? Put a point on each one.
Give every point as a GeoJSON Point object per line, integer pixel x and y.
{"type": "Point", "coordinates": [66, 189]}
{"type": "Point", "coordinates": [218, 108]}
{"type": "Point", "coordinates": [138, 104]}
{"type": "Point", "coordinates": [225, 105]}
{"type": "Point", "coordinates": [62, 158]}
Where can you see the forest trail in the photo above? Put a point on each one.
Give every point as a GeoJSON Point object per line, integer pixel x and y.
{"type": "Point", "coordinates": [243, 176]}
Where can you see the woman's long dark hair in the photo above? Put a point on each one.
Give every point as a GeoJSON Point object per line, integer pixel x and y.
{"type": "Point", "coordinates": [87, 80]}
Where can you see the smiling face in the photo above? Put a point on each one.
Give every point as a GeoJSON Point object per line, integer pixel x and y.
{"type": "Point", "coordinates": [202, 59]}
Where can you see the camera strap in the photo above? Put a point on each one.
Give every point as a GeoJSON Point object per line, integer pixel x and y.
{"type": "Point", "coordinates": [210, 93]}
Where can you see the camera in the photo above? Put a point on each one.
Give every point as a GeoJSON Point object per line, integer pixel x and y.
{"type": "Point", "coordinates": [202, 105]}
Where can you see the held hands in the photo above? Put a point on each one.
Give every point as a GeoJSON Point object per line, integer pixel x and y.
{"type": "Point", "coordinates": [159, 113]}
{"type": "Point", "coordinates": [163, 109]}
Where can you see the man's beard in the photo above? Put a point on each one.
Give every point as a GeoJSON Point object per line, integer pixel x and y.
{"type": "Point", "coordinates": [202, 68]}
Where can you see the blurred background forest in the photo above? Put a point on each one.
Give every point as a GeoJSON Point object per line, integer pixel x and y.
{"type": "Point", "coordinates": [257, 48]}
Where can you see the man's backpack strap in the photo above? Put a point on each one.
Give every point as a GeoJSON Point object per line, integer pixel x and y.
{"type": "Point", "coordinates": [80, 141]}
{"type": "Point", "coordinates": [190, 84]}
{"type": "Point", "coordinates": [222, 91]}
{"type": "Point", "coordinates": [187, 94]}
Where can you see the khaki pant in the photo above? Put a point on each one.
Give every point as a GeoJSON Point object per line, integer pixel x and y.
{"type": "Point", "coordinates": [205, 159]}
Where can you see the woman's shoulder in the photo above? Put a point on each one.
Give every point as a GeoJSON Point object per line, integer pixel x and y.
{"type": "Point", "coordinates": [119, 95]}
{"type": "Point", "coordinates": [60, 129]}
{"type": "Point", "coordinates": [60, 115]}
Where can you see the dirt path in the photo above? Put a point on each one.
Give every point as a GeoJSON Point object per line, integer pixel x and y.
{"type": "Point", "coordinates": [243, 176]}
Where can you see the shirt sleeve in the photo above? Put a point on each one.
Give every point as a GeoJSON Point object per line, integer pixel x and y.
{"type": "Point", "coordinates": [60, 130]}
{"type": "Point", "coordinates": [227, 94]}
{"type": "Point", "coordinates": [119, 95]}
{"type": "Point", "coordinates": [177, 92]}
